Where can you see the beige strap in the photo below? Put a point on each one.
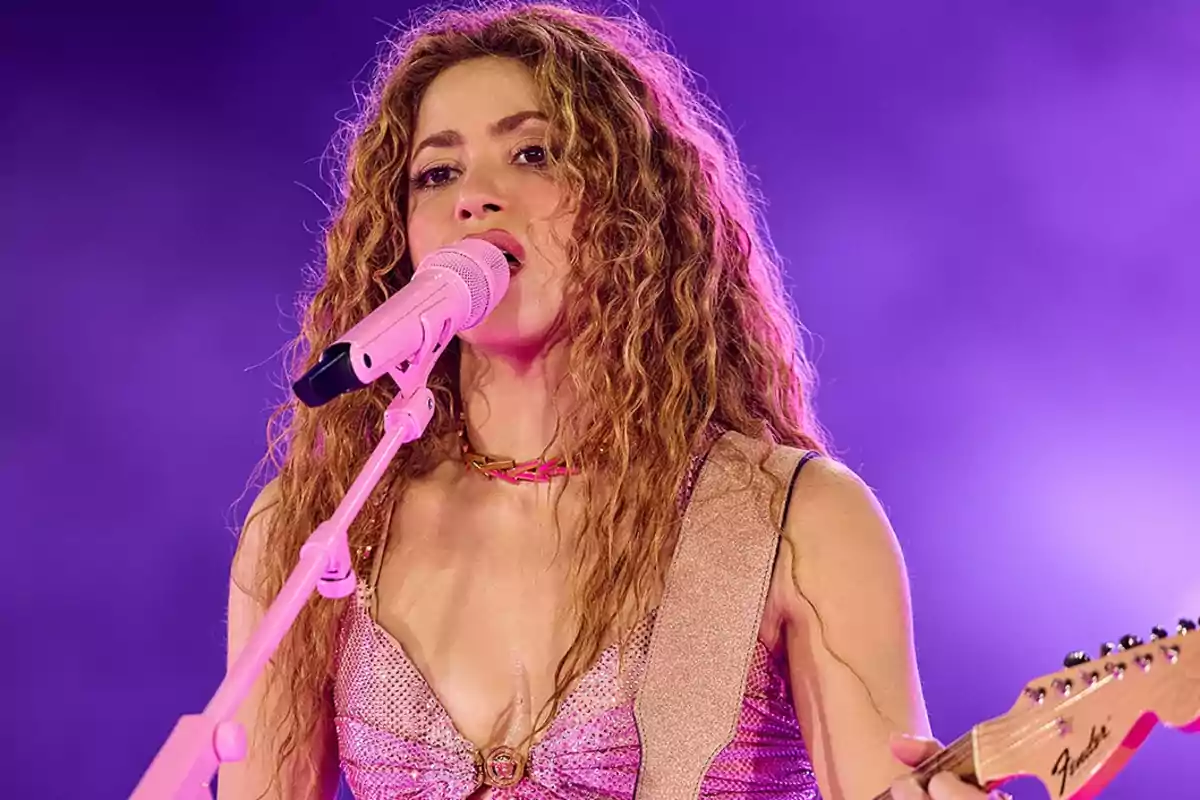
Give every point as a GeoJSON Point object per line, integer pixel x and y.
{"type": "Point", "coordinates": [705, 631]}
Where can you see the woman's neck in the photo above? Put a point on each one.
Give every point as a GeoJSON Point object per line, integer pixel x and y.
{"type": "Point", "coordinates": [514, 404]}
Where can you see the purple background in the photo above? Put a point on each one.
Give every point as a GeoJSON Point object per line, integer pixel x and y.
{"type": "Point", "coordinates": [990, 217]}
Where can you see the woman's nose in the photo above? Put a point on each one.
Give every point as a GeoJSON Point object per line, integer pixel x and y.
{"type": "Point", "coordinates": [477, 201]}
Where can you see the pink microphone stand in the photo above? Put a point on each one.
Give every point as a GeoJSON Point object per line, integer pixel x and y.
{"type": "Point", "coordinates": [199, 743]}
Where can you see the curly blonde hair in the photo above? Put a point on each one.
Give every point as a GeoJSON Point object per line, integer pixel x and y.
{"type": "Point", "coordinates": [675, 312]}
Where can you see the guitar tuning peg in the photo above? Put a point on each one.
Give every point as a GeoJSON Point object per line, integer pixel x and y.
{"type": "Point", "coordinates": [1107, 648]}
{"type": "Point", "coordinates": [1186, 626]}
{"type": "Point", "coordinates": [1129, 641]}
{"type": "Point", "coordinates": [1158, 632]}
{"type": "Point", "coordinates": [1076, 658]}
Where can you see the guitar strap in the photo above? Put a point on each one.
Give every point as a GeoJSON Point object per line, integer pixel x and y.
{"type": "Point", "coordinates": [705, 631]}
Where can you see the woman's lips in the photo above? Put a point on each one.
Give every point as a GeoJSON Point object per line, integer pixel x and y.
{"type": "Point", "coordinates": [501, 238]}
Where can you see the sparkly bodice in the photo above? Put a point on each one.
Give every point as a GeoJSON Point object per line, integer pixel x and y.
{"type": "Point", "coordinates": [396, 740]}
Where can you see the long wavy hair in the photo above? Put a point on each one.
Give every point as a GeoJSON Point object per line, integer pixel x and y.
{"type": "Point", "coordinates": [675, 313]}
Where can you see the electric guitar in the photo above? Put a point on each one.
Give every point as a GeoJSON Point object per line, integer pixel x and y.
{"type": "Point", "coordinates": [1075, 729]}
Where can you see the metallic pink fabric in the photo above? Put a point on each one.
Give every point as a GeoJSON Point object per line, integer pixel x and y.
{"type": "Point", "coordinates": [397, 741]}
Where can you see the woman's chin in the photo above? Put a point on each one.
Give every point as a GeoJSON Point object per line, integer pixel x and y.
{"type": "Point", "coordinates": [525, 342]}
{"type": "Point", "coordinates": [503, 338]}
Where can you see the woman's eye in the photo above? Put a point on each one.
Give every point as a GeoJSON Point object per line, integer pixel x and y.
{"type": "Point", "coordinates": [434, 176]}
{"type": "Point", "coordinates": [534, 155]}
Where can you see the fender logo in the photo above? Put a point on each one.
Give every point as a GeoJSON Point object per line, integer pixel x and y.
{"type": "Point", "coordinates": [1066, 766]}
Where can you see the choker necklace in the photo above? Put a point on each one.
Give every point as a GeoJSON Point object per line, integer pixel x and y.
{"type": "Point", "coordinates": [537, 470]}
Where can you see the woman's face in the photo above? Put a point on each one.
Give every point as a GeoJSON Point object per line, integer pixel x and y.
{"type": "Point", "coordinates": [478, 165]}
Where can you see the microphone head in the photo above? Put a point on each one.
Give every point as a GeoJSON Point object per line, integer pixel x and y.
{"type": "Point", "coordinates": [482, 267]}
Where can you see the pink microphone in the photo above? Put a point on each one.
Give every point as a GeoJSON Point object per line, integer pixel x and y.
{"type": "Point", "coordinates": [451, 290]}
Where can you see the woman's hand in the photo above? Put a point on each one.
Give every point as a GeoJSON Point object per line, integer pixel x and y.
{"type": "Point", "coordinates": [912, 751]}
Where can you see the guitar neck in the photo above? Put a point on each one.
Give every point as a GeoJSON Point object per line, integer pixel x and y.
{"type": "Point", "coordinates": [958, 758]}
{"type": "Point", "coordinates": [1074, 729]}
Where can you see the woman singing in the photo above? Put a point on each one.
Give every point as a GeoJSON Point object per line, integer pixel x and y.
{"type": "Point", "coordinates": [513, 561]}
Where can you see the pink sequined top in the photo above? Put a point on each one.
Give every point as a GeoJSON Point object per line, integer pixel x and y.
{"type": "Point", "coordinates": [396, 740]}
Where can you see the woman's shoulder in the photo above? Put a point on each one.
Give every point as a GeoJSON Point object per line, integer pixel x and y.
{"type": "Point", "coordinates": [841, 552]}
{"type": "Point", "coordinates": [829, 513]}
{"type": "Point", "coordinates": [254, 532]}
{"type": "Point", "coordinates": [831, 510]}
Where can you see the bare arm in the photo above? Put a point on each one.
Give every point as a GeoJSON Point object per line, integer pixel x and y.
{"type": "Point", "coordinates": [849, 632]}
{"type": "Point", "coordinates": [251, 778]}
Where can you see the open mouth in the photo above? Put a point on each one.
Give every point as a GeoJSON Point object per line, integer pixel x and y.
{"type": "Point", "coordinates": [507, 244]}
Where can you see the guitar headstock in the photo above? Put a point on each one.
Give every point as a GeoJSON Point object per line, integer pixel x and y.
{"type": "Point", "coordinates": [1076, 728]}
